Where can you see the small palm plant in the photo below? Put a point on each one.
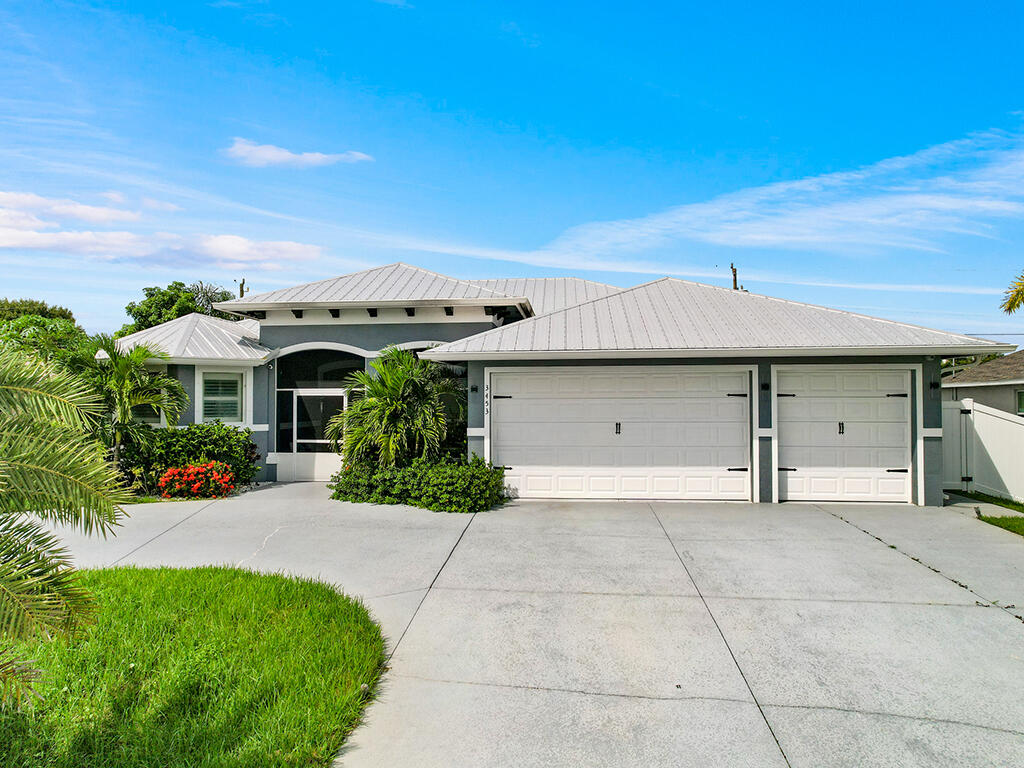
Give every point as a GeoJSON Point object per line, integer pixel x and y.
{"type": "Point", "coordinates": [1013, 299]}
{"type": "Point", "coordinates": [51, 472]}
{"type": "Point", "coordinates": [401, 411]}
{"type": "Point", "coordinates": [127, 385]}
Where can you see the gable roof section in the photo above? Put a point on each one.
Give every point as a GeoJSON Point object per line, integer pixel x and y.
{"type": "Point", "coordinates": [999, 371]}
{"type": "Point", "coordinates": [547, 294]}
{"type": "Point", "coordinates": [394, 284]}
{"type": "Point", "coordinates": [201, 337]}
{"type": "Point", "coordinates": [672, 318]}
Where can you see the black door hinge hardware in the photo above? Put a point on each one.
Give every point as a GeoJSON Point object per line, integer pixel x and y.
{"type": "Point", "coordinates": [618, 427]}
{"type": "Point", "coordinates": [897, 470]}
{"type": "Point", "coordinates": [967, 479]}
{"type": "Point", "coordinates": [501, 397]}
{"type": "Point", "coordinates": [784, 394]}
{"type": "Point", "coordinates": [842, 427]}
{"type": "Point", "coordinates": [735, 469]}
{"type": "Point", "coordinates": [965, 410]}
{"type": "Point", "coordinates": [787, 469]}
{"type": "Point", "coordinates": [506, 467]}
{"type": "Point", "coordinates": [736, 394]}
{"type": "Point", "coordinates": [897, 394]}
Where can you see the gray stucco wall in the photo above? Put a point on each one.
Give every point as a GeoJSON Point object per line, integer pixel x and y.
{"type": "Point", "coordinates": [186, 374]}
{"type": "Point", "coordinates": [931, 407]}
{"type": "Point", "coordinates": [1001, 396]}
{"type": "Point", "coordinates": [368, 337]}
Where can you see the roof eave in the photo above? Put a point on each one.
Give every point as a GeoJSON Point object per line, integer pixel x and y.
{"type": "Point", "coordinates": [953, 383]}
{"type": "Point", "coordinates": [521, 302]}
{"type": "Point", "coordinates": [439, 353]}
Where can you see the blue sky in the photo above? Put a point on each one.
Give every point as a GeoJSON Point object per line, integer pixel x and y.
{"type": "Point", "coordinates": [870, 159]}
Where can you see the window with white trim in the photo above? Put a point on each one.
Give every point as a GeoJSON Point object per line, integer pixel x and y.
{"type": "Point", "coordinates": [1020, 402]}
{"type": "Point", "coordinates": [222, 396]}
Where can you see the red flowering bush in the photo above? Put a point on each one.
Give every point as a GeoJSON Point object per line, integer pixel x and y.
{"type": "Point", "coordinates": [212, 480]}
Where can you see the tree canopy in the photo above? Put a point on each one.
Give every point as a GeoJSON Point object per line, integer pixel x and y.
{"type": "Point", "coordinates": [52, 338]}
{"type": "Point", "coordinates": [11, 309]}
{"type": "Point", "coordinates": [176, 300]}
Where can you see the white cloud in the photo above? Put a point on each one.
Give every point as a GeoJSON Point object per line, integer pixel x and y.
{"type": "Point", "coordinates": [232, 249]}
{"type": "Point", "coordinates": [226, 251]}
{"type": "Point", "coordinates": [261, 155]}
{"type": "Point", "coordinates": [159, 205]}
{"type": "Point", "coordinates": [912, 202]}
{"type": "Point", "coordinates": [61, 208]}
{"type": "Point", "coordinates": [113, 196]}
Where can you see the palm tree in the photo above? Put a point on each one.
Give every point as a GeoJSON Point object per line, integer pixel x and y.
{"type": "Point", "coordinates": [51, 472]}
{"type": "Point", "coordinates": [401, 411]}
{"type": "Point", "coordinates": [127, 385]}
{"type": "Point", "coordinates": [1013, 299]}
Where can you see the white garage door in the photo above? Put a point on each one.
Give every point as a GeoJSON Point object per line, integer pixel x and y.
{"type": "Point", "coordinates": [595, 433]}
{"type": "Point", "coordinates": [844, 435]}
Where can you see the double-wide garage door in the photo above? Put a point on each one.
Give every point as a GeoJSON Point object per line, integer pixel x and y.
{"type": "Point", "coordinates": [600, 433]}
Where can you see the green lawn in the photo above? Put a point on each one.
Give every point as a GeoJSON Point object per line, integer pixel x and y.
{"type": "Point", "coordinates": [1015, 524]}
{"type": "Point", "coordinates": [200, 668]}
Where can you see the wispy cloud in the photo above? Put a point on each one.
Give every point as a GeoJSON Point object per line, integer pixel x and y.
{"type": "Point", "coordinates": [62, 208]}
{"type": "Point", "coordinates": [914, 202]}
{"type": "Point", "coordinates": [159, 205]}
{"type": "Point", "coordinates": [21, 229]}
{"type": "Point", "coordinates": [256, 155]}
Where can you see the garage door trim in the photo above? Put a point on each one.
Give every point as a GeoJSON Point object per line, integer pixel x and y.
{"type": "Point", "coordinates": [917, 416]}
{"type": "Point", "coordinates": [752, 395]}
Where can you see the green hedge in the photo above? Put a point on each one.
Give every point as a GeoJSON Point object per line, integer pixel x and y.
{"type": "Point", "coordinates": [445, 486]}
{"type": "Point", "coordinates": [195, 444]}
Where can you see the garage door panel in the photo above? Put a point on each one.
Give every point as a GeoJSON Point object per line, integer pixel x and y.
{"type": "Point", "coordinates": [820, 462]}
{"type": "Point", "coordinates": [847, 384]}
{"type": "Point", "coordinates": [846, 458]}
{"type": "Point", "coordinates": [679, 432]}
{"type": "Point", "coordinates": [835, 409]}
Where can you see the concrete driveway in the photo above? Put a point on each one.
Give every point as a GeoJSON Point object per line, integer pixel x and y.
{"type": "Point", "coordinates": [635, 634]}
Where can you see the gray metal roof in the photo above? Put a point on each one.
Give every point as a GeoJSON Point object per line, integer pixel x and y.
{"type": "Point", "coordinates": [1008, 368]}
{"type": "Point", "coordinates": [201, 337]}
{"type": "Point", "coordinates": [395, 284]}
{"type": "Point", "coordinates": [671, 317]}
{"type": "Point", "coordinates": [547, 294]}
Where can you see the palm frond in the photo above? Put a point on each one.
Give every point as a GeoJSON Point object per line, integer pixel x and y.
{"type": "Point", "coordinates": [16, 677]}
{"type": "Point", "coordinates": [1013, 299]}
{"type": "Point", "coordinates": [58, 474]}
{"type": "Point", "coordinates": [43, 390]}
{"type": "Point", "coordinates": [40, 592]}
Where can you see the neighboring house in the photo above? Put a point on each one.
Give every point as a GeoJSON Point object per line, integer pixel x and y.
{"type": "Point", "coordinates": [668, 390]}
{"type": "Point", "coordinates": [999, 383]}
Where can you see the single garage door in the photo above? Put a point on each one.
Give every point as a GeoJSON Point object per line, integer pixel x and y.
{"type": "Point", "coordinates": [639, 434]}
{"type": "Point", "coordinates": [844, 435]}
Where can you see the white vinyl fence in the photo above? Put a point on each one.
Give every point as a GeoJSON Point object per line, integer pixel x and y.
{"type": "Point", "coordinates": [982, 449]}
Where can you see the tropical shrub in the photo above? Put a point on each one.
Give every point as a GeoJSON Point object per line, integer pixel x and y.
{"type": "Point", "coordinates": [442, 486]}
{"type": "Point", "coordinates": [51, 472]}
{"type": "Point", "coordinates": [145, 462]}
{"type": "Point", "coordinates": [127, 384]}
{"type": "Point", "coordinates": [212, 480]}
{"type": "Point", "coordinates": [400, 411]}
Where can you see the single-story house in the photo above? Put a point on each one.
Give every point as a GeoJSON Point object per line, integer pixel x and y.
{"type": "Point", "coordinates": [667, 390]}
{"type": "Point", "coordinates": [999, 383]}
